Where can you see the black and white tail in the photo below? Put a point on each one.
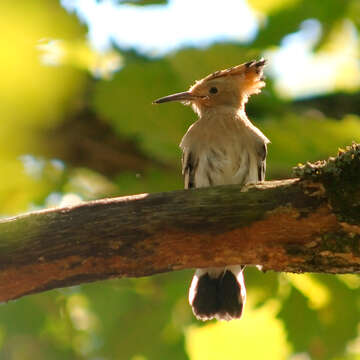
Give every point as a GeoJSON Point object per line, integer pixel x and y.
{"type": "Point", "coordinates": [218, 293]}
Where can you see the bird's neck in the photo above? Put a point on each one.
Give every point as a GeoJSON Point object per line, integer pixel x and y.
{"type": "Point", "coordinates": [223, 112]}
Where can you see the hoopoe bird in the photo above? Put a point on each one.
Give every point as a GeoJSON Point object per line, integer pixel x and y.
{"type": "Point", "coordinates": [222, 147]}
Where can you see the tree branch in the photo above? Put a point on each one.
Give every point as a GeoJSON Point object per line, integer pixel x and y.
{"type": "Point", "coordinates": [310, 223]}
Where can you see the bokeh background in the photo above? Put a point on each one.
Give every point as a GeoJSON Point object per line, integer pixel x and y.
{"type": "Point", "coordinates": [77, 78]}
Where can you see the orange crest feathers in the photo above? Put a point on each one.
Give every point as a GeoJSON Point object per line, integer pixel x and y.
{"type": "Point", "coordinates": [251, 72]}
{"type": "Point", "coordinates": [254, 77]}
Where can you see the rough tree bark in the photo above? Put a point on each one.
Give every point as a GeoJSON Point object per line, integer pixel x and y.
{"type": "Point", "coordinates": [309, 223]}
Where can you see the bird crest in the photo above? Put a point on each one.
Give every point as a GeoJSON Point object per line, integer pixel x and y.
{"type": "Point", "coordinates": [250, 72]}
{"type": "Point", "coordinates": [231, 86]}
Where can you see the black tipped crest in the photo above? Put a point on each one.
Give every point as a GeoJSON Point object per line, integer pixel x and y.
{"type": "Point", "coordinates": [250, 63]}
{"type": "Point", "coordinates": [258, 64]}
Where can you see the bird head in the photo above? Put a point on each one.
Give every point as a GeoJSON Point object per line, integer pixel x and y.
{"type": "Point", "coordinates": [230, 87]}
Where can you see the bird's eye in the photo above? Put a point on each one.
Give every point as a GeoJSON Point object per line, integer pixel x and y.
{"type": "Point", "coordinates": [213, 90]}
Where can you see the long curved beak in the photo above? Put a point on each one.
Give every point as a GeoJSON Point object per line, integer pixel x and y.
{"type": "Point", "coordinates": [182, 96]}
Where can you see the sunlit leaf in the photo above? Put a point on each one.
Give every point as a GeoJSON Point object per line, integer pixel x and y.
{"type": "Point", "coordinates": [269, 6]}
{"type": "Point", "coordinates": [317, 293]}
{"type": "Point", "coordinates": [240, 339]}
{"type": "Point", "coordinates": [323, 333]}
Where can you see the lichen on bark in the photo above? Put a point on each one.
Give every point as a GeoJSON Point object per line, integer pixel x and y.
{"type": "Point", "coordinates": [340, 178]}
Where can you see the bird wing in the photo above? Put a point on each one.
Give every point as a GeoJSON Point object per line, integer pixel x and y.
{"type": "Point", "coordinates": [262, 152]}
{"type": "Point", "coordinates": [189, 166]}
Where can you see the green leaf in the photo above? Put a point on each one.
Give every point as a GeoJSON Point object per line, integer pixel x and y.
{"type": "Point", "coordinates": [278, 23]}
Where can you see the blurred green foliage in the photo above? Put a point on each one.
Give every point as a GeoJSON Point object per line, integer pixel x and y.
{"type": "Point", "coordinates": [142, 2]}
{"type": "Point", "coordinates": [72, 129]}
{"type": "Point", "coordinates": [281, 11]}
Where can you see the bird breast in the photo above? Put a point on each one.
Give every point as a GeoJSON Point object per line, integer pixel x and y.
{"type": "Point", "coordinates": [223, 151]}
